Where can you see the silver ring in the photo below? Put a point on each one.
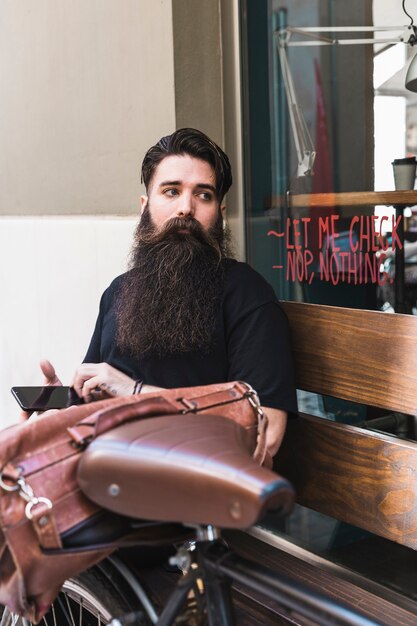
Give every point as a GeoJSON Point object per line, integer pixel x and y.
{"type": "Point", "coordinates": [34, 502]}
{"type": "Point", "coordinates": [7, 487]}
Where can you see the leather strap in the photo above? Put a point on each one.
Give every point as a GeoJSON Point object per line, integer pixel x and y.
{"type": "Point", "coordinates": [58, 453]}
{"type": "Point", "coordinates": [141, 408]}
{"type": "Point", "coordinates": [43, 521]}
{"type": "Point", "coordinates": [102, 421]}
{"type": "Point", "coordinates": [261, 454]}
{"type": "Point", "coordinates": [10, 473]}
{"type": "Point", "coordinates": [217, 398]}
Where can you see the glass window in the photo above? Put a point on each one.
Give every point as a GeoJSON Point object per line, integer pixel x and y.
{"type": "Point", "coordinates": [351, 100]}
{"type": "Point", "coordinates": [328, 249]}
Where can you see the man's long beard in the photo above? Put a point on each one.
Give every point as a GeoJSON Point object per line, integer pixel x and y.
{"type": "Point", "coordinates": [169, 300]}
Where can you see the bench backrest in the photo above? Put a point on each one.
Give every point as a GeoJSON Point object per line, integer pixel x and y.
{"type": "Point", "coordinates": [363, 356]}
{"type": "Point", "coordinates": [359, 476]}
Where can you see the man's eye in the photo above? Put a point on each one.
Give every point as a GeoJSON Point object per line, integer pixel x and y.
{"type": "Point", "coordinates": [170, 192]}
{"type": "Point", "coordinates": [206, 195]}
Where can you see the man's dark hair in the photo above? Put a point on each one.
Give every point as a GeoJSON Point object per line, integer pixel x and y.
{"type": "Point", "coordinates": [196, 144]}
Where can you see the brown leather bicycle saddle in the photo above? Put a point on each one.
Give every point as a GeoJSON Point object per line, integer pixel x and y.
{"type": "Point", "coordinates": [182, 468]}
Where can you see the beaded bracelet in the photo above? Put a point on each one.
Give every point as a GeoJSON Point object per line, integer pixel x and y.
{"type": "Point", "coordinates": [138, 387]}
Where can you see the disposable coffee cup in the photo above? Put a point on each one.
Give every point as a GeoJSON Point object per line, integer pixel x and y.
{"type": "Point", "coordinates": [404, 173]}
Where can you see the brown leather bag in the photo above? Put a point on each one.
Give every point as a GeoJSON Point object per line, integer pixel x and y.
{"type": "Point", "coordinates": [41, 502]}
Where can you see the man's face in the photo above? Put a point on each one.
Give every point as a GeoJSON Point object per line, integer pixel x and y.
{"type": "Point", "coordinates": [183, 186]}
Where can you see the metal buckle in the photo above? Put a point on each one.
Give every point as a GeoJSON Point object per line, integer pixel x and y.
{"type": "Point", "coordinates": [189, 404]}
{"type": "Point", "coordinates": [34, 502]}
{"type": "Point", "coordinates": [253, 399]}
{"type": "Point", "coordinates": [26, 492]}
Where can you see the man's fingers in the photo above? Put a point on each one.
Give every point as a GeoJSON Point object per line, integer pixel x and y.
{"type": "Point", "coordinates": [24, 415]}
{"type": "Point", "coordinates": [88, 386]}
{"type": "Point", "coordinates": [77, 384]}
{"type": "Point", "coordinates": [86, 378]}
{"type": "Point", "coordinates": [99, 394]}
{"type": "Point", "coordinates": [83, 372]}
{"type": "Point", "coordinates": [108, 379]}
{"type": "Point", "coordinates": [48, 371]}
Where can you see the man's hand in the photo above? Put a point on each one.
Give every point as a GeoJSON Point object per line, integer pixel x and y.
{"type": "Point", "coordinates": [97, 380]}
{"type": "Point", "coordinates": [277, 421]}
{"type": "Point", "coordinates": [50, 379]}
{"type": "Point", "coordinates": [48, 371]}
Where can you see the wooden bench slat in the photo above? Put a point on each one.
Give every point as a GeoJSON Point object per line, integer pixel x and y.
{"type": "Point", "coordinates": [357, 476]}
{"type": "Point", "coordinates": [383, 609]}
{"type": "Point", "coordinates": [368, 357]}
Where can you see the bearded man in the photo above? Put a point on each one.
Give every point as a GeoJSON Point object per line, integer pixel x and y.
{"type": "Point", "coordinates": [185, 313]}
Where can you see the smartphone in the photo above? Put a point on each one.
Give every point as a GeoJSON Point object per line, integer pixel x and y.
{"type": "Point", "coordinates": [44, 398]}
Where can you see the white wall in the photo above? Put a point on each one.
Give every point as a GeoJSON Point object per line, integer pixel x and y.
{"type": "Point", "coordinates": [85, 88]}
{"type": "Point", "coordinates": [52, 273]}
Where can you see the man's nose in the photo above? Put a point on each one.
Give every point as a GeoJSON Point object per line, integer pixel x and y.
{"type": "Point", "coordinates": [185, 205]}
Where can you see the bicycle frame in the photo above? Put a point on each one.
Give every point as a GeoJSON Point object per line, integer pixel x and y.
{"type": "Point", "coordinates": [218, 568]}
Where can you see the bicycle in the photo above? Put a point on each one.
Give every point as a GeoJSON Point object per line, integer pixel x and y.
{"type": "Point", "coordinates": [172, 459]}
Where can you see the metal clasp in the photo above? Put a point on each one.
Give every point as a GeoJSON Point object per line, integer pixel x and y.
{"type": "Point", "coordinates": [26, 492]}
{"type": "Point", "coordinates": [34, 502]}
{"type": "Point", "coordinates": [253, 399]}
{"type": "Point", "coordinates": [190, 406]}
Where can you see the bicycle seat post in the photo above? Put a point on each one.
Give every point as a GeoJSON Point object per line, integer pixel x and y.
{"type": "Point", "coordinates": [209, 547]}
{"type": "Point", "coordinates": [207, 533]}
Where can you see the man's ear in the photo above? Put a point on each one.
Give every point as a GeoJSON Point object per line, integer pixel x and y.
{"type": "Point", "coordinates": [143, 203]}
{"type": "Point", "coordinates": [223, 210]}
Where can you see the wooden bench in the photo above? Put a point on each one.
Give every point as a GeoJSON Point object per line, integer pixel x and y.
{"type": "Point", "coordinates": [353, 474]}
